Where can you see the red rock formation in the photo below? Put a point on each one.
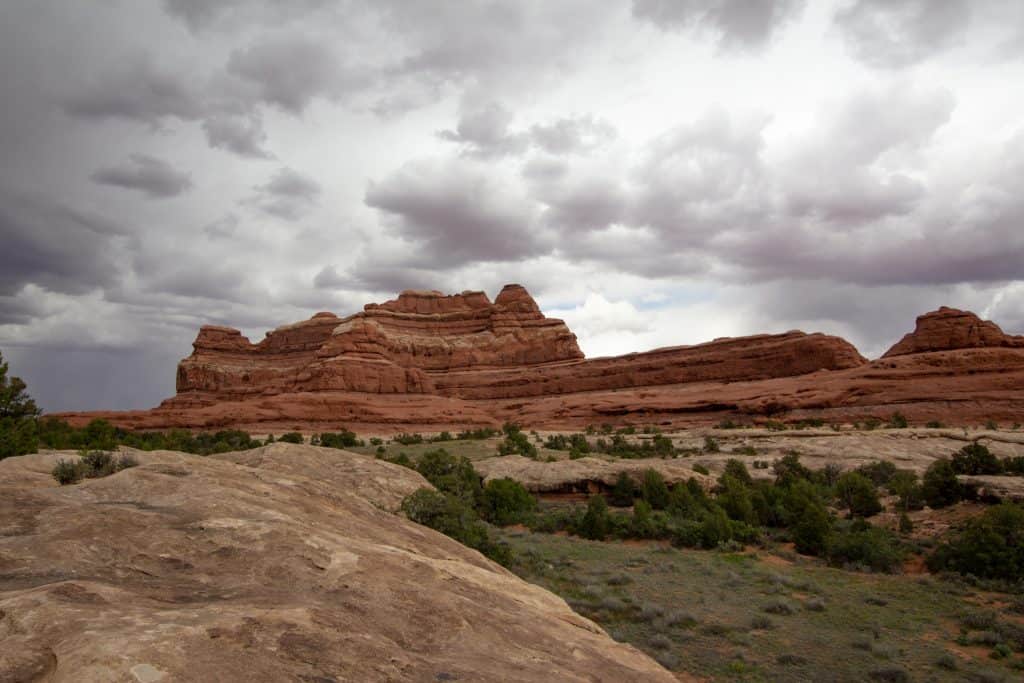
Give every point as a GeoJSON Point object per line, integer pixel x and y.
{"type": "Point", "coordinates": [429, 360]}
{"type": "Point", "coordinates": [947, 329]}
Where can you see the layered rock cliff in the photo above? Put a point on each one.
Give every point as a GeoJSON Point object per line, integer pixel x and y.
{"type": "Point", "coordinates": [430, 360]}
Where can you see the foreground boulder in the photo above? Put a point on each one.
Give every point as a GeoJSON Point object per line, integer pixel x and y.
{"type": "Point", "coordinates": [285, 563]}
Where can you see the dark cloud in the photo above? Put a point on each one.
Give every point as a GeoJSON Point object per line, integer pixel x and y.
{"type": "Point", "coordinates": [889, 34]}
{"type": "Point", "coordinates": [290, 71]}
{"type": "Point", "coordinates": [199, 15]}
{"type": "Point", "coordinates": [457, 213]}
{"type": "Point", "coordinates": [55, 247]}
{"type": "Point", "coordinates": [288, 194]}
{"type": "Point", "coordinates": [136, 89]}
{"type": "Point", "coordinates": [152, 177]}
{"type": "Point", "coordinates": [736, 23]}
{"type": "Point", "coordinates": [243, 135]}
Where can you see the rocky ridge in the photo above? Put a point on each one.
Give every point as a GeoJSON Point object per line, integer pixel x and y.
{"type": "Point", "coordinates": [430, 361]}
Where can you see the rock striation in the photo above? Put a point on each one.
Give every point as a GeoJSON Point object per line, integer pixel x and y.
{"type": "Point", "coordinates": [286, 563]}
{"type": "Point", "coordinates": [430, 361]}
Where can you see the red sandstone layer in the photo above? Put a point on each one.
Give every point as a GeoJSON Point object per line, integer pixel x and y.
{"type": "Point", "coordinates": [429, 360]}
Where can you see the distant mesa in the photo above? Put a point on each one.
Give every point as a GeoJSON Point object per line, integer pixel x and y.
{"type": "Point", "coordinates": [430, 360]}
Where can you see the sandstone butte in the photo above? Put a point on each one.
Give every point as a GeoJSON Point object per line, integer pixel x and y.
{"type": "Point", "coordinates": [284, 563]}
{"type": "Point", "coordinates": [430, 361]}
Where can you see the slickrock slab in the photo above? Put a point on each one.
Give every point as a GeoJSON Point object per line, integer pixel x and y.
{"type": "Point", "coordinates": [279, 564]}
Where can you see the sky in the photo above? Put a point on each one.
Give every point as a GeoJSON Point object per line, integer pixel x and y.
{"type": "Point", "coordinates": [655, 172]}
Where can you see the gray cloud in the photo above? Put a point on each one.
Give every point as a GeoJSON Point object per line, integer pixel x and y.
{"type": "Point", "coordinates": [889, 34]}
{"type": "Point", "coordinates": [736, 23]}
{"type": "Point", "coordinates": [152, 177]}
{"type": "Point", "coordinates": [290, 71]}
{"type": "Point", "coordinates": [243, 135]}
{"type": "Point", "coordinates": [288, 194]}
{"type": "Point", "coordinates": [457, 213]}
{"type": "Point", "coordinates": [55, 247]}
{"type": "Point", "coordinates": [485, 133]}
{"type": "Point", "coordinates": [138, 90]}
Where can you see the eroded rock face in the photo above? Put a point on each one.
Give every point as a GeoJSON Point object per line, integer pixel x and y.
{"type": "Point", "coordinates": [281, 564]}
{"type": "Point", "coordinates": [948, 329]}
{"type": "Point", "coordinates": [430, 361]}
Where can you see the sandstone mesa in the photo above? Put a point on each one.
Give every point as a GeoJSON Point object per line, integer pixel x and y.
{"type": "Point", "coordinates": [427, 360]}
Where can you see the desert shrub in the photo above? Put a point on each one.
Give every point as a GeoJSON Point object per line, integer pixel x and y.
{"type": "Point", "coordinates": [454, 518]}
{"type": "Point", "coordinates": [700, 469]}
{"type": "Point", "coordinates": [934, 424]}
{"type": "Point", "coordinates": [829, 474]}
{"type": "Point", "coordinates": [975, 459]}
{"type": "Point", "coordinates": [865, 546]}
{"type": "Point", "coordinates": [594, 524]}
{"type": "Point", "coordinates": [477, 434]}
{"type": "Point", "coordinates": [505, 501]}
{"type": "Point", "coordinates": [654, 490]}
{"type": "Point", "coordinates": [734, 498]}
{"type": "Point", "coordinates": [342, 439]}
{"type": "Point", "coordinates": [291, 437]}
{"type": "Point", "coordinates": [906, 526]}
{"type": "Point", "coordinates": [991, 546]}
{"type": "Point", "coordinates": [451, 475]}
{"type": "Point", "coordinates": [408, 439]}
{"type": "Point", "coordinates": [90, 465]}
{"type": "Point", "coordinates": [66, 472]}
{"type": "Point", "coordinates": [642, 524]}
{"type": "Point", "coordinates": [905, 485]}
{"type": "Point", "coordinates": [737, 470]}
{"type": "Point", "coordinates": [516, 442]}
{"type": "Point", "coordinates": [711, 445]}
{"type": "Point", "coordinates": [623, 491]}
{"type": "Point", "coordinates": [788, 470]}
{"type": "Point", "coordinates": [880, 472]}
{"type": "Point", "coordinates": [940, 487]}
{"type": "Point", "coordinates": [780, 607]}
{"type": "Point", "coordinates": [897, 421]}
{"type": "Point", "coordinates": [443, 436]}
{"type": "Point", "coordinates": [376, 441]}
{"type": "Point", "coordinates": [1014, 465]}
{"type": "Point", "coordinates": [812, 529]}
{"type": "Point", "coordinates": [857, 494]}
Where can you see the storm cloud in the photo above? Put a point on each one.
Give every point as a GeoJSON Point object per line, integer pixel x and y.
{"type": "Point", "coordinates": [657, 172]}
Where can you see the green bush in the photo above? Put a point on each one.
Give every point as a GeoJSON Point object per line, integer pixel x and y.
{"type": "Point", "coordinates": [342, 439]}
{"type": "Point", "coordinates": [860, 544]}
{"type": "Point", "coordinates": [788, 470]}
{"type": "Point", "coordinates": [623, 492]}
{"type": "Point", "coordinates": [897, 421]}
{"type": "Point", "coordinates": [18, 413]}
{"type": "Point", "coordinates": [879, 472]}
{"type": "Point", "coordinates": [452, 475]}
{"type": "Point", "coordinates": [291, 437]}
{"type": "Point", "coordinates": [711, 445]}
{"type": "Point", "coordinates": [734, 498]}
{"type": "Point", "coordinates": [407, 439]}
{"type": "Point", "coordinates": [812, 529]}
{"type": "Point", "coordinates": [737, 470]}
{"type": "Point", "coordinates": [90, 465]}
{"type": "Point", "coordinates": [654, 490]}
{"type": "Point", "coordinates": [506, 501]}
{"type": "Point", "coordinates": [976, 459]}
{"type": "Point", "coordinates": [905, 485]}
{"type": "Point", "coordinates": [857, 494]}
{"type": "Point", "coordinates": [991, 546]}
{"type": "Point", "coordinates": [516, 442]}
{"type": "Point", "coordinates": [594, 524]}
{"type": "Point", "coordinates": [454, 518]}
{"type": "Point", "coordinates": [940, 487]}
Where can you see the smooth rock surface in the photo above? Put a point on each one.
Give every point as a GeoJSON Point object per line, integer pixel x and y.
{"type": "Point", "coordinates": [280, 564]}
